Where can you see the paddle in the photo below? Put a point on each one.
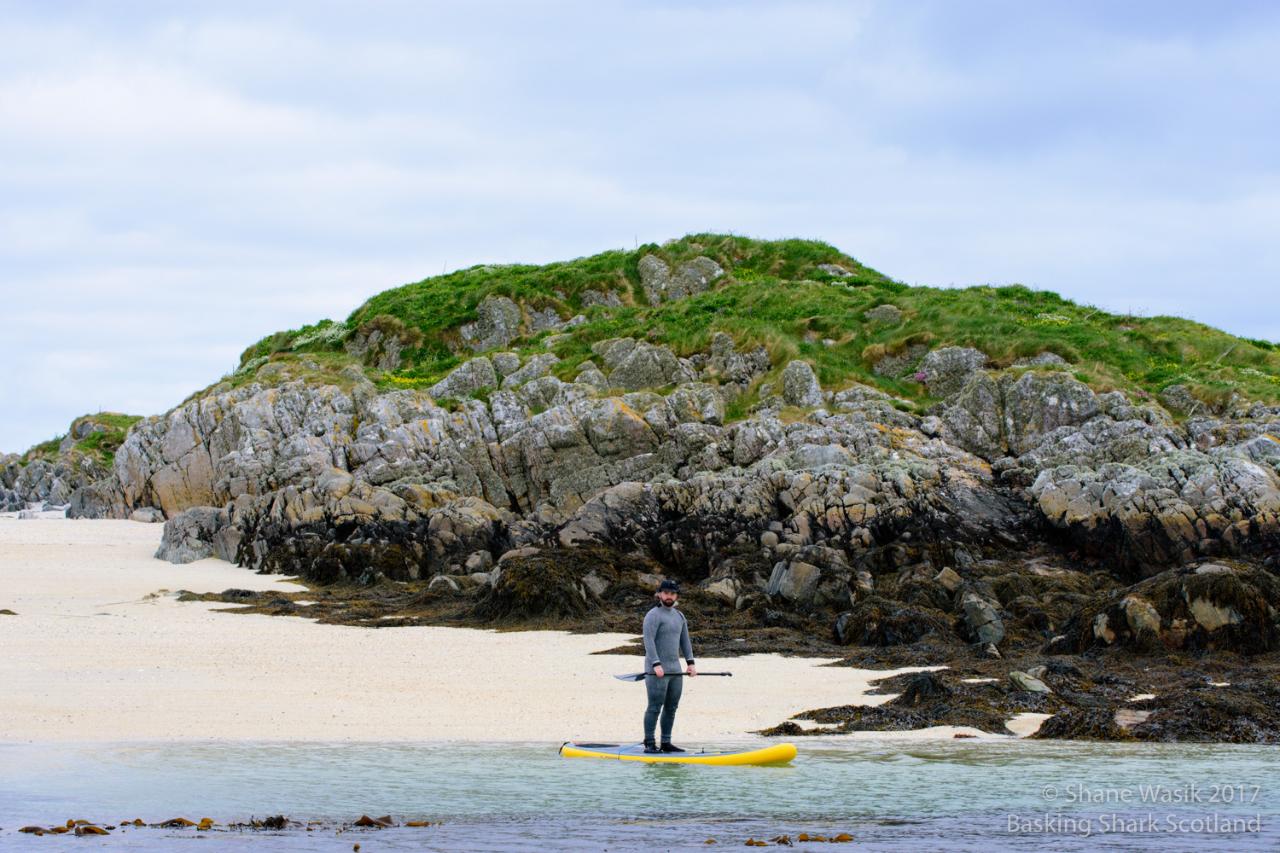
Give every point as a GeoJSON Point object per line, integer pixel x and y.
{"type": "Point", "coordinates": [639, 676]}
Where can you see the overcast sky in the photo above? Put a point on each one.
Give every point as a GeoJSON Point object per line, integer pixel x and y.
{"type": "Point", "coordinates": [177, 180]}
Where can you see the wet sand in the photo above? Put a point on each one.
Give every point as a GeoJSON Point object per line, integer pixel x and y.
{"type": "Point", "coordinates": [101, 650]}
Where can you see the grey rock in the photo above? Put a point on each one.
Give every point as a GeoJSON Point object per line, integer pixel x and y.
{"type": "Point", "coordinates": [613, 351]}
{"type": "Point", "coordinates": [689, 279]}
{"type": "Point", "coordinates": [497, 324]}
{"type": "Point", "coordinates": [797, 582]}
{"type": "Point", "coordinates": [445, 584]}
{"type": "Point", "coordinates": [819, 455]}
{"type": "Point", "coordinates": [606, 298]}
{"type": "Point", "coordinates": [835, 270]}
{"type": "Point", "coordinates": [729, 367]}
{"type": "Point", "coordinates": [506, 363]}
{"type": "Point", "coordinates": [1178, 398]}
{"type": "Point", "coordinates": [998, 416]}
{"type": "Point", "coordinates": [696, 402]}
{"type": "Point", "coordinates": [948, 579]}
{"type": "Point", "coordinates": [949, 369]}
{"type": "Point", "coordinates": [726, 589]}
{"type": "Point", "coordinates": [884, 315]}
{"type": "Point", "coordinates": [536, 367]}
{"type": "Point", "coordinates": [188, 536]}
{"type": "Point", "coordinates": [647, 366]}
{"type": "Point", "coordinates": [593, 377]}
{"type": "Point", "coordinates": [1024, 681]}
{"type": "Point", "coordinates": [466, 379]}
{"type": "Point", "coordinates": [542, 320]}
{"type": "Point", "coordinates": [982, 619]}
{"type": "Point", "coordinates": [479, 561]}
{"type": "Point", "coordinates": [378, 343]}
{"type": "Point", "coordinates": [1044, 359]}
{"type": "Point", "coordinates": [800, 386]}
{"type": "Point", "coordinates": [655, 278]}
{"type": "Point", "coordinates": [900, 364]}
{"type": "Point", "coordinates": [147, 515]}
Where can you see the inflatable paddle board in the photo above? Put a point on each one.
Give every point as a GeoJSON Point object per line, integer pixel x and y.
{"type": "Point", "coordinates": [779, 753]}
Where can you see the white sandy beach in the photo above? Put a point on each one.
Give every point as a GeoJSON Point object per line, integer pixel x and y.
{"type": "Point", "coordinates": [100, 651]}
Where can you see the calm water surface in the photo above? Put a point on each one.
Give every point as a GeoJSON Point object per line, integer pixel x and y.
{"type": "Point", "coordinates": [889, 794]}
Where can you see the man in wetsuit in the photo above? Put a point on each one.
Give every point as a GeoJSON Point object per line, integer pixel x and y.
{"type": "Point", "coordinates": [666, 641]}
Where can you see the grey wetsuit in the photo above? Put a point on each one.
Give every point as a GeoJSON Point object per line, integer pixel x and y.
{"type": "Point", "coordinates": [666, 642]}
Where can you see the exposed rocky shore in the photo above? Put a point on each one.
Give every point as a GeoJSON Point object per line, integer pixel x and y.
{"type": "Point", "coordinates": [1022, 520]}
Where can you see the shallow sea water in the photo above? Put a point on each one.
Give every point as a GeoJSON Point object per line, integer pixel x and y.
{"type": "Point", "coordinates": [890, 794]}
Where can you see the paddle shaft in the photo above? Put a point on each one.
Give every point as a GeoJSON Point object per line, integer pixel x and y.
{"type": "Point", "coordinates": [639, 676]}
{"type": "Point", "coordinates": [699, 675]}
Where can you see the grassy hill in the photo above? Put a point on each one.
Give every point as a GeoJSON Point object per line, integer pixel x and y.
{"type": "Point", "coordinates": [775, 294]}
{"type": "Point", "coordinates": [108, 432]}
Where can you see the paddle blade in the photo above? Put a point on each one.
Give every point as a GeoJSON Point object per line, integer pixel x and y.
{"type": "Point", "coordinates": [635, 676]}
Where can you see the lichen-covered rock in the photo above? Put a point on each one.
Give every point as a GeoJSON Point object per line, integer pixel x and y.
{"type": "Point", "coordinates": [1043, 359]}
{"type": "Point", "coordinates": [1169, 509]}
{"type": "Point", "coordinates": [998, 416]}
{"type": "Point", "coordinates": [949, 369]}
{"type": "Point", "coordinates": [696, 402]}
{"type": "Point", "coordinates": [646, 366]}
{"type": "Point", "coordinates": [536, 367]}
{"type": "Point", "coordinates": [543, 319]}
{"type": "Point", "coordinates": [497, 324]}
{"type": "Point", "coordinates": [689, 278]}
{"type": "Point", "coordinates": [463, 381]}
{"type": "Point", "coordinates": [800, 385]}
{"type": "Point", "coordinates": [505, 363]}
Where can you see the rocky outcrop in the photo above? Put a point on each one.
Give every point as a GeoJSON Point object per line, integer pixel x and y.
{"type": "Point", "coordinates": [869, 522]}
{"type": "Point", "coordinates": [472, 376]}
{"type": "Point", "coordinates": [646, 366]}
{"type": "Point", "coordinates": [497, 324]}
{"type": "Point", "coordinates": [1208, 606]}
{"type": "Point", "coordinates": [192, 535]}
{"type": "Point", "coordinates": [800, 385]}
{"type": "Point", "coordinates": [1165, 510]}
{"type": "Point", "coordinates": [380, 341]}
{"type": "Point", "coordinates": [947, 370]}
{"type": "Point", "coordinates": [690, 278]}
{"type": "Point", "coordinates": [48, 483]}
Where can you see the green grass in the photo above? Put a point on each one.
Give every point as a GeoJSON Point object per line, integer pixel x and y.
{"type": "Point", "coordinates": [99, 445]}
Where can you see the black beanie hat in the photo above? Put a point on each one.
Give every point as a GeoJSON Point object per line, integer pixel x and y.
{"type": "Point", "coordinates": [669, 584]}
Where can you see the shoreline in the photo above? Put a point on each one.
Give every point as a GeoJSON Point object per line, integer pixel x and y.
{"type": "Point", "coordinates": [101, 651]}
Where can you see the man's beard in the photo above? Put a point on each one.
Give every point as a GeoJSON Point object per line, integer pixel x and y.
{"type": "Point", "coordinates": [671, 603]}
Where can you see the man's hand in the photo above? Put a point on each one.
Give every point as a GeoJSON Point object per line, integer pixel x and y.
{"type": "Point", "coordinates": [657, 670]}
{"type": "Point", "coordinates": [691, 671]}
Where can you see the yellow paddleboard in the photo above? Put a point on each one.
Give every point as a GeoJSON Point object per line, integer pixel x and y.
{"type": "Point", "coordinates": [779, 753]}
